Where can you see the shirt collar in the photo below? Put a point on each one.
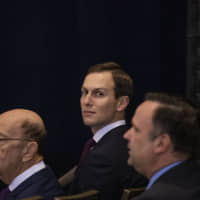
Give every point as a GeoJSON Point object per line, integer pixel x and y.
{"type": "Point", "coordinates": [26, 174]}
{"type": "Point", "coordinates": [161, 172]}
{"type": "Point", "coordinates": [100, 133]}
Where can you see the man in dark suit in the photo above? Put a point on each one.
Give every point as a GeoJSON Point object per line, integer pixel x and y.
{"type": "Point", "coordinates": [106, 92]}
{"type": "Point", "coordinates": [163, 144]}
{"type": "Point", "coordinates": [22, 134]}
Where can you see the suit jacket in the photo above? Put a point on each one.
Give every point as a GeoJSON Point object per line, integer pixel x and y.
{"type": "Point", "coordinates": [181, 182]}
{"type": "Point", "coordinates": [42, 183]}
{"type": "Point", "coordinates": [105, 168]}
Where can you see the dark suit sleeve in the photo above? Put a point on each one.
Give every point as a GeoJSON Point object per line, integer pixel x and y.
{"type": "Point", "coordinates": [42, 183]}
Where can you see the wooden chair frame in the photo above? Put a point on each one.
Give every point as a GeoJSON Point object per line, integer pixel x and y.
{"type": "Point", "coordinates": [34, 198]}
{"type": "Point", "coordinates": [89, 195]}
{"type": "Point", "coordinates": [131, 192]}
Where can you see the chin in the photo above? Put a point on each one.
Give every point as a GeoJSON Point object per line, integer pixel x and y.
{"type": "Point", "coordinates": [87, 123]}
{"type": "Point", "coordinates": [129, 162]}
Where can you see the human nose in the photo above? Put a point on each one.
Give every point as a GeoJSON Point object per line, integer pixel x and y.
{"type": "Point", "coordinates": [87, 99]}
{"type": "Point", "coordinates": [126, 134]}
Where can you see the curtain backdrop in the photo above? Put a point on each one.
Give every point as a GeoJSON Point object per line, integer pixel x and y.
{"type": "Point", "coordinates": [47, 46]}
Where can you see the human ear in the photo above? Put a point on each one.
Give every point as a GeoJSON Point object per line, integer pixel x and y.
{"type": "Point", "coordinates": [123, 102]}
{"type": "Point", "coordinates": [29, 151]}
{"type": "Point", "coordinates": [162, 143]}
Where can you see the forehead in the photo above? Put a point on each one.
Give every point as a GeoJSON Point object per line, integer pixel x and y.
{"type": "Point", "coordinates": [9, 127]}
{"type": "Point", "coordinates": [98, 80]}
{"type": "Point", "coordinates": [144, 112]}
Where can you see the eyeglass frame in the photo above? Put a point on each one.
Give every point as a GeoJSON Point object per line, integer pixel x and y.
{"type": "Point", "coordinates": [20, 139]}
{"type": "Point", "coordinates": [4, 137]}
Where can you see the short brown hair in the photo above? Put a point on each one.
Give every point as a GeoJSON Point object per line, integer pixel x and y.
{"type": "Point", "coordinates": [123, 83]}
{"type": "Point", "coordinates": [179, 119]}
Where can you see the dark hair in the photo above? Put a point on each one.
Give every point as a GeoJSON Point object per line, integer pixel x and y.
{"type": "Point", "coordinates": [36, 132]}
{"type": "Point", "coordinates": [122, 80]}
{"type": "Point", "coordinates": [179, 119]}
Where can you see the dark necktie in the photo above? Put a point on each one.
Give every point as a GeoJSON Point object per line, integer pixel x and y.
{"type": "Point", "coordinates": [88, 145]}
{"type": "Point", "coordinates": [4, 193]}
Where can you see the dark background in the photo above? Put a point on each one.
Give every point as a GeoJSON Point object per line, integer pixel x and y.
{"type": "Point", "coordinates": [47, 46]}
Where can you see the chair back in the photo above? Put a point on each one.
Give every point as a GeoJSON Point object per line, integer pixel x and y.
{"type": "Point", "coordinates": [89, 195]}
{"type": "Point", "coordinates": [34, 198]}
{"type": "Point", "coordinates": [131, 192]}
{"type": "Point", "coordinates": [67, 178]}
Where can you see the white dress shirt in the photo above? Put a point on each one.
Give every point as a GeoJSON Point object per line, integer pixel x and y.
{"type": "Point", "coordinates": [100, 133]}
{"type": "Point", "coordinates": [26, 174]}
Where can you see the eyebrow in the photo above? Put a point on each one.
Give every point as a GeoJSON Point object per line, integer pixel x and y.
{"type": "Point", "coordinates": [4, 135]}
{"type": "Point", "coordinates": [99, 88]}
{"type": "Point", "coordinates": [20, 139]}
{"type": "Point", "coordinates": [135, 127]}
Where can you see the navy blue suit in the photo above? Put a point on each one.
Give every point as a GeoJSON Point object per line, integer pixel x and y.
{"type": "Point", "coordinates": [181, 182]}
{"type": "Point", "coordinates": [105, 168]}
{"type": "Point", "coordinates": [42, 183]}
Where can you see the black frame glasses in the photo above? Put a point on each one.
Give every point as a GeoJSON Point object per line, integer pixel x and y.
{"type": "Point", "coordinates": [20, 139]}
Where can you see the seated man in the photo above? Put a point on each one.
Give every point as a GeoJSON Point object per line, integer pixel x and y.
{"type": "Point", "coordinates": [163, 143]}
{"type": "Point", "coordinates": [106, 93]}
{"type": "Point", "coordinates": [22, 134]}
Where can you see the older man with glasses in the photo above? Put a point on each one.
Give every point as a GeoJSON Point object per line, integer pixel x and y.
{"type": "Point", "coordinates": [22, 136]}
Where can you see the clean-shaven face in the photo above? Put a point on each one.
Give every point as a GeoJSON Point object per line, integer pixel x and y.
{"type": "Point", "coordinates": [11, 152]}
{"type": "Point", "coordinates": [140, 145]}
{"type": "Point", "coordinates": [98, 102]}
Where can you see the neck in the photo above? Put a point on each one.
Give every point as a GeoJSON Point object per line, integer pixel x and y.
{"type": "Point", "coordinates": [17, 171]}
{"type": "Point", "coordinates": [164, 162]}
{"type": "Point", "coordinates": [95, 129]}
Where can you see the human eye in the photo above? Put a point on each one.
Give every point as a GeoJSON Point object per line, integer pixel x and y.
{"type": "Point", "coordinates": [98, 93]}
{"type": "Point", "coordinates": [136, 130]}
{"type": "Point", "coordinates": [84, 92]}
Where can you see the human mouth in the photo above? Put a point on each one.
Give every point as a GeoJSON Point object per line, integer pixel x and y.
{"type": "Point", "coordinates": [88, 113]}
{"type": "Point", "coordinates": [128, 150]}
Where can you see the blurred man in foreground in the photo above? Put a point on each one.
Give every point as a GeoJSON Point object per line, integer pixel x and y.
{"type": "Point", "coordinates": [22, 135]}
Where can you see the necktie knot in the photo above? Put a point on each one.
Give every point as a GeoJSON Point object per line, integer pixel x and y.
{"type": "Point", "coordinates": [90, 143]}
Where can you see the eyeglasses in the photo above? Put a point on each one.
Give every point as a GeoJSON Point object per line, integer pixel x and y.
{"type": "Point", "coordinates": [20, 139]}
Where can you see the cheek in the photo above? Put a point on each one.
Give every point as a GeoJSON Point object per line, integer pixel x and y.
{"type": "Point", "coordinates": [81, 103]}
{"type": "Point", "coordinates": [145, 150]}
{"type": "Point", "coordinates": [12, 152]}
{"type": "Point", "coordinates": [138, 145]}
{"type": "Point", "coordinates": [134, 139]}
{"type": "Point", "coordinates": [133, 142]}
{"type": "Point", "coordinates": [108, 107]}
{"type": "Point", "coordinates": [3, 152]}
{"type": "Point", "coordinates": [5, 159]}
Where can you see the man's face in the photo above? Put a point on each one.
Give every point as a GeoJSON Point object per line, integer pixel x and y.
{"type": "Point", "coordinates": [11, 152]}
{"type": "Point", "coordinates": [140, 145]}
{"type": "Point", "coordinates": [98, 102]}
